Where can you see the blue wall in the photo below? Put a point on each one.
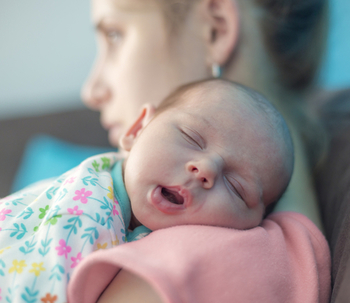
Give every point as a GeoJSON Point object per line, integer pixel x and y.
{"type": "Point", "coordinates": [336, 70]}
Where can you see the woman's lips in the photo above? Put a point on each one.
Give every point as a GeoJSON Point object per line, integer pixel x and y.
{"type": "Point", "coordinates": [159, 200]}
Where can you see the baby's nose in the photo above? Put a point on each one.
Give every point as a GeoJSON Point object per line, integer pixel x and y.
{"type": "Point", "coordinates": [204, 171]}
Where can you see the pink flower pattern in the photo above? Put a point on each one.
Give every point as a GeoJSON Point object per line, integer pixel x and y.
{"type": "Point", "coordinates": [63, 249]}
{"type": "Point", "coordinates": [76, 260]}
{"type": "Point", "coordinates": [3, 213]}
{"type": "Point", "coordinates": [75, 210]}
{"type": "Point", "coordinates": [82, 195]}
{"type": "Point", "coordinates": [62, 228]}
{"type": "Point", "coordinates": [115, 212]}
{"type": "Point", "coordinates": [70, 180]}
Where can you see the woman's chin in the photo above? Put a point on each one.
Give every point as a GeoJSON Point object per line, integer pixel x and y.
{"type": "Point", "coordinates": [113, 141]}
{"type": "Point", "coordinates": [114, 135]}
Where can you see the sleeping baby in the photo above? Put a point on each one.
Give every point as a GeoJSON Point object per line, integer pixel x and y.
{"type": "Point", "coordinates": [213, 153]}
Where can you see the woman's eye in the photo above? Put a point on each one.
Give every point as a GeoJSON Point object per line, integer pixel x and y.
{"type": "Point", "coordinates": [191, 140]}
{"type": "Point", "coordinates": [113, 36]}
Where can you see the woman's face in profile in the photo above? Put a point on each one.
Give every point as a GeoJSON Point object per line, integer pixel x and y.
{"type": "Point", "coordinates": [138, 60]}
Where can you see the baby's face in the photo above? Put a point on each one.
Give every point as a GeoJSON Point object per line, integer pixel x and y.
{"type": "Point", "coordinates": [206, 162]}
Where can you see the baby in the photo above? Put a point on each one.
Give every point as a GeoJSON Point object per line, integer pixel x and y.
{"type": "Point", "coordinates": [213, 153]}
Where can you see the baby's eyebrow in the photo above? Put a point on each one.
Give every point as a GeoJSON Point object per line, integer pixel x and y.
{"type": "Point", "coordinates": [203, 120]}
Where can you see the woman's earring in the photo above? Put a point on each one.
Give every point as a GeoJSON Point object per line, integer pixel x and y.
{"type": "Point", "coordinates": [216, 70]}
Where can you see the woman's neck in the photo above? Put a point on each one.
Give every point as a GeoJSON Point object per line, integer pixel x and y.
{"type": "Point", "coordinates": [251, 64]}
{"type": "Point", "coordinates": [249, 73]}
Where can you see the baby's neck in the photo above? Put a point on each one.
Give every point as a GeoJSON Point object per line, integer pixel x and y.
{"type": "Point", "coordinates": [133, 222]}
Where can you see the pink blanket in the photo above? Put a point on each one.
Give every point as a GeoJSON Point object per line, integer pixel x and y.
{"type": "Point", "coordinates": [285, 260]}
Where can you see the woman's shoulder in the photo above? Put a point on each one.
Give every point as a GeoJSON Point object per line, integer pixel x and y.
{"type": "Point", "coordinates": [333, 184]}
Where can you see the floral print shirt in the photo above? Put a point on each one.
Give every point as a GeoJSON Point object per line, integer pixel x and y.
{"type": "Point", "coordinates": [47, 228]}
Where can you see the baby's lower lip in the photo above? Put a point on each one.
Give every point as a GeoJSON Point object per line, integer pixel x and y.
{"type": "Point", "coordinates": [162, 204]}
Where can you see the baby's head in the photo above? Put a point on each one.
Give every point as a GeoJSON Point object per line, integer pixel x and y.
{"type": "Point", "coordinates": [213, 153]}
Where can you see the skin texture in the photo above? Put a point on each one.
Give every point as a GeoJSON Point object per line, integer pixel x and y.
{"type": "Point", "coordinates": [214, 151]}
{"type": "Point", "coordinates": [139, 62]}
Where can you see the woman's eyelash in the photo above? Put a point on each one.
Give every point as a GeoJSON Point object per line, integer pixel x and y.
{"type": "Point", "coordinates": [190, 139]}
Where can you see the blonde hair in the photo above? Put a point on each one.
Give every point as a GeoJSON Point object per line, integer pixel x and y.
{"type": "Point", "coordinates": [175, 12]}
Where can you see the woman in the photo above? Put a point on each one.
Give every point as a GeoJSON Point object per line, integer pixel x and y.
{"type": "Point", "coordinates": [148, 48]}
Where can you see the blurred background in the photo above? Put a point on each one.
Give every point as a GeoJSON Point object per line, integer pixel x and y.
{"type": "Point", "coordinates": [47, 48]}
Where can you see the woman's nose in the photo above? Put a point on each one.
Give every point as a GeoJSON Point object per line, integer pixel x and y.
{"type": "Point", "coordinates": [204, 171]}
{"type": "Point", "coordinates": [95, 93]}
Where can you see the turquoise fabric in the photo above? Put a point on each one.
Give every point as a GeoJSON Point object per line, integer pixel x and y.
{"type": "Point", "coordinates": [46, 157]}
{"type": "Point", "coordinates": [124, 202]}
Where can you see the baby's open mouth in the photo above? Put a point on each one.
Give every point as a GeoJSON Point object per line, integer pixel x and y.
{"type": "Point", "coordinates": [170, 200]}
{"type": "Point", "coordinates": [172, 196]}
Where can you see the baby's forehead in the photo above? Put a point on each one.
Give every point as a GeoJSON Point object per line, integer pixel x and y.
{"type": "Point", "coordinates": [225, 116]}
{"type": "Point", "coordinates": [232, 114]}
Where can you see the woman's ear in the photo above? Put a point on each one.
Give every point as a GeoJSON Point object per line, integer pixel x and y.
{"type": "Point", "coordinates": [222, 29]}
{"type": "Point", "coordinates": [128, 139]}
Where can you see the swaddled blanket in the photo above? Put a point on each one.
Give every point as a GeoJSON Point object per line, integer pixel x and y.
{"type": "Point", "coordinates": [47, 229]}
{"type": "Point", "coordinates": [286, 260]}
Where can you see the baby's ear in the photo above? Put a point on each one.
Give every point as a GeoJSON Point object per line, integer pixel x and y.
{"type": "Point", "coordinates": [128, 139]}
